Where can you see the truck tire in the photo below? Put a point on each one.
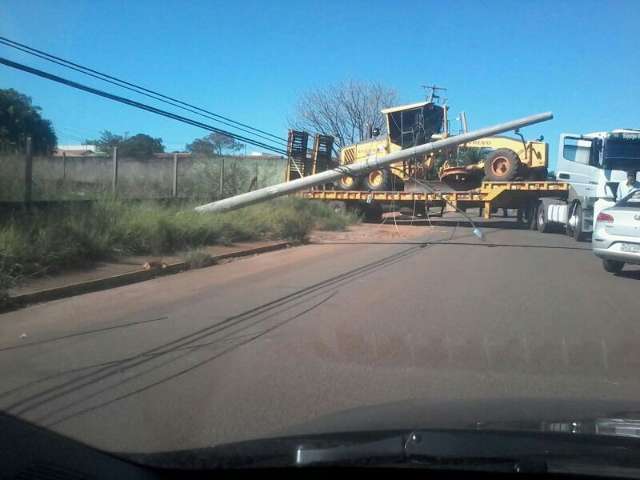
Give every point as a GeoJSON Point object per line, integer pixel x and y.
{"type": "Point", "coordinates": [372, 213]}
{"type": "Point", "coordinates": [502, 165]}
{"type": "Point", "coordinates": [577, 233]}
{"type": "Point", "coordinates": [377, 180]}
{"type": "Point", "coordinates": [532, 216]}
{"type": "Point", "coordinates": [338, 206]}
{"type": "Point", "coordinates": [542, 223]}
{"type": "Point", "coordinates": [612, 266]}
{"type": "Point", "coordinates": [348, 183]}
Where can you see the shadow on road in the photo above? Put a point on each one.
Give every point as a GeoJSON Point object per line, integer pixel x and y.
{"type": "Point", "coordinates": [453, 243]}
{"type": "Point", "coordinates": [120, 372]}
{"type": "Point", "coordinates": [85, 332]}
{"type": "Point", "coordinates": [462, 223]}
{"type": "Point", "coordinates": [633, 274]}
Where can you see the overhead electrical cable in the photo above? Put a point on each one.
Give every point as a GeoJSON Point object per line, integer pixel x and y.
{"type": "Point", "coordinates": [143, 91]}
{"type": "Point", "coordinates": [134, 103]}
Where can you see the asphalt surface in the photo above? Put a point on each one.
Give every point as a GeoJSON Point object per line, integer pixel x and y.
{"type": "Point", "coordinates": [254, 347]}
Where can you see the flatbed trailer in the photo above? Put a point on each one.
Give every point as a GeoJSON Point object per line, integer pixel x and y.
{"type": "Point", "coordinates": [523, 196]}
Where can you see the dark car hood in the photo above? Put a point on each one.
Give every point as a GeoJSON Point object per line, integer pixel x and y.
{"type": "Point", "coordinates": [523, 414]}
{"type": "Point", "coordinates": [613, 422]}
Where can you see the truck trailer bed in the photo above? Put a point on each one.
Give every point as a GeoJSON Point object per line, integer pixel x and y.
{"type": "Point", "coordinates": [490, 196]}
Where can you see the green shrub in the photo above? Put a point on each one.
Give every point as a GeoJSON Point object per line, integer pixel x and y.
{"type": "Point", "coordinates": [47, 241]}
{"type": "Point", "coordinates": [198, 259]}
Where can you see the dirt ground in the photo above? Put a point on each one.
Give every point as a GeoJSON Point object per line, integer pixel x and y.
{"type": "Point", "coordinates": [387, 231]}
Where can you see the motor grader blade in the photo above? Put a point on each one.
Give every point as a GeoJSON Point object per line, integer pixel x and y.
{"type": "Point", "coordinates": [461, 178]}
{"type": "Point", "coordinates": [411, 185]}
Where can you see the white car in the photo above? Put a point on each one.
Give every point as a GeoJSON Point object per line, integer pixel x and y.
{"type": "Point", "coordinates": [616, 235]}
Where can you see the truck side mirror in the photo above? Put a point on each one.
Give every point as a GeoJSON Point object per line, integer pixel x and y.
{"type": "Point", "coordinates": [596, 148]}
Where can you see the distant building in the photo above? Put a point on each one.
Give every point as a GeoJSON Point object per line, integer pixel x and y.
{"type": "Point", "coordinates": [264, 155]}
{"type": "Point", "coordinates": [75, 150]}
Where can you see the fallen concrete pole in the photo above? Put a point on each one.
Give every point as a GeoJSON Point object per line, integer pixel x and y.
{"type": "Point", "coordinates": [371, 163]}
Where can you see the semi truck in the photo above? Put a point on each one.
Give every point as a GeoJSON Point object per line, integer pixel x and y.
{"type": "Point", "coordinates": [592, 165]}
{"type": "Point", "coordinates": [589, 168]}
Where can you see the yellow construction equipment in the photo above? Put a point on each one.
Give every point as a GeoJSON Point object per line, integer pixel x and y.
{"type": "Point", "coordinates": [500, 158]}
{"type": "Point", "coordinates": [407, 126]}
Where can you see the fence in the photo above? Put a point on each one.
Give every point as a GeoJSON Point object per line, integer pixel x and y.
{"type": "Point", "coordinates": [162, 176]}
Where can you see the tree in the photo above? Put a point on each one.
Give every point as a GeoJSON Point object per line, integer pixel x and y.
{"type": "Point", "coordinates": [347, 110]}
{"type": "Point", "coordinates": [138, 146]}
{"type": "Point", "coordinates": [20, 119]}
{"type": "Point", "coordinates": [106, 142]}
{"type": "Point", "coordinates": [141, 146]}
{"type": "Point", "coordinates": [214, 145]}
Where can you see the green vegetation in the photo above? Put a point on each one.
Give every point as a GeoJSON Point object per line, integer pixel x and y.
{"type": "Point", "coordinates": [20, 119]}
{"type": "Point", "coordinates": [140, 145]}
{"type": "Point", "coordinates": [47, 241]}
{"type": "Point", "coordinates": [214, 145]}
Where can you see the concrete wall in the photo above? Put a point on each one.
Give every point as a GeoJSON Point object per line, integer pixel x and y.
{"type": "Point", "coordinates": [86, 177]}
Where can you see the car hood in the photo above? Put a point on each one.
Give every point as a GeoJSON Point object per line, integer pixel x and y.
{"type": "Point", "coordinates": [609, 421]}
{"type": "Point", "coordinates": [523, 414]}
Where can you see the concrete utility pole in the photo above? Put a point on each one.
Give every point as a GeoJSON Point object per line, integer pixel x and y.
{"type": "Point", "coordinates": [463, 122]}
{"type": "Point", "coordinates": [371, 163]}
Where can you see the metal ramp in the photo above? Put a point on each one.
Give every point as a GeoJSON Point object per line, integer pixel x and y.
{"type": "Point", "coordinates": [321, 153]}
{"type": "Point", "coordinates": [303, 163]}
{"type": "Point", "coordinates": [297, 154]}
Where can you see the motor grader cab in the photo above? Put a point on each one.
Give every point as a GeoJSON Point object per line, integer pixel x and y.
{"type": "Point", "coordinates": [407, 126]}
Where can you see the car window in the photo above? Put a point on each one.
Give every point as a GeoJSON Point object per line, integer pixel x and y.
{"type": "Point", "coordinates": [631, 200]}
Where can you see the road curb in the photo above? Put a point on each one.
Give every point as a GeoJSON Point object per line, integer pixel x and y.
{"type": "Point", "coordinates": [130, 277]}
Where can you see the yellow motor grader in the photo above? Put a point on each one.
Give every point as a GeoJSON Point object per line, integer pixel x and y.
{"type": "Point", "coordinates": [499, 158]}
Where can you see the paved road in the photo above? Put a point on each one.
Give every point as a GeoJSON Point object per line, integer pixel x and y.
{"type": "Point", "coordinates": [253, 347]}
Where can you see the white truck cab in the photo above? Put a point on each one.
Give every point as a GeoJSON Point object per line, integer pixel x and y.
{"type": "Point", "coordinates": [593, 164]}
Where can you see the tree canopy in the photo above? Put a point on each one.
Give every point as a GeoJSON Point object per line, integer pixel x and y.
{"type": "Point", "coordinates": [20, 119]}
{"type": "Point", "coordinates": [214, 145]}
{"type": "Point", "coordinates": [138, 146]}
{"type": "Point", "coordinates": [346, 110]}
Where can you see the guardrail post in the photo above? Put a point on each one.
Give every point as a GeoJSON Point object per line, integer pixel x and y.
{"type": "Point", "coordinates": [28, 173]}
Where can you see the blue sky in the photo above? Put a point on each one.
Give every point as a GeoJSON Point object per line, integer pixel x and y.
{"type": "Point", "coordinates": [250, 60]}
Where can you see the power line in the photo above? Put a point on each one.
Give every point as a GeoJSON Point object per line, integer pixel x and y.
{"type": "Point", "coordinates": [133, 103]}
{"type": "Point", "coordinates": [142, 90]}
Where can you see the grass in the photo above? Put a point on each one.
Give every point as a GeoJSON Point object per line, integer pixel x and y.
{"type": "Point", "coordinates": [52, 240]}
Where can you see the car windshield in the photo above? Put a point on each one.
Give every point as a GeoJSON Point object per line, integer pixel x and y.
{"type": "Point", "coordinates": [227, 221]}
{"type": "Point", "coordinates": [631, 200]}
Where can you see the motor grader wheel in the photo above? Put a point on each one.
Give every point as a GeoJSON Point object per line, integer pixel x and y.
{"type": "Point", "coordinates": [377, 180]}
{"type": "Point", "coordinates": [502, 165]}
{"type": "Point", "coordinates": [347, 183]}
